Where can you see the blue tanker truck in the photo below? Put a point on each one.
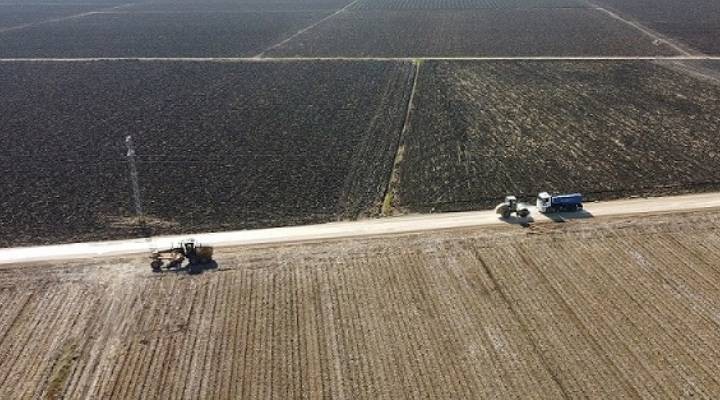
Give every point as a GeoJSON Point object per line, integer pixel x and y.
{"type": "Point", "coordinates": [547, 203]}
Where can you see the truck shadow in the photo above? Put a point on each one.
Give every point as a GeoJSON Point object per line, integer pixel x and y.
{"type": "Point", "coordinates": [561, 217]}
{"type": "Point", "coordinates": [558, 217]}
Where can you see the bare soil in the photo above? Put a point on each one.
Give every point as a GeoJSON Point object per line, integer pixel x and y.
{"type": "Point", "coordinates": [598, 308]}
{"type": "Point", "coordinates": [610, 129]}
{"type": "Point", "coordinates": [458, 32]}
{"type": "Point", "coordinates": [465, 4]}
{"type": "Point", "coordinates": [129, 33]}
{"type": "Point", "coordinates": [219, 145]}
{"type": "Point", "coordinates": [694, 23]}
{"type": "Point", "coordinates": [18, 14]}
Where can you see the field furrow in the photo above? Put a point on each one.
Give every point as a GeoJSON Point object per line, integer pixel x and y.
{"type": "Point", "coordinates": [550, 321]}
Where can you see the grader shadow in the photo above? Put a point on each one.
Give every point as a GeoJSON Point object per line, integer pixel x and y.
{"type": "Point", "coordinates": [559, 217]}
{"type": "Point", "coordinates": [199, 268]}
{"type": "Point", "coordinates": [188, 269]}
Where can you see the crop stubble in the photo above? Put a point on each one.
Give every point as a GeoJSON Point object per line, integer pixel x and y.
{"type": "Point", "coordinates": [600, 309]}
{"type": "Point", "coordinates": [481, 130]}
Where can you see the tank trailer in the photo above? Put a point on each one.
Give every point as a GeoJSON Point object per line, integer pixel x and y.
{"type": "Point", "coordinates": [547, 203]}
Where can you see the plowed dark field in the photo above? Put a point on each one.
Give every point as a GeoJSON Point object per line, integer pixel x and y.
{"type": "Point", "coordinates": [176, 34]}
{"type": "Point", "coordinates": [599, 309]}
{"type": "Point", "coordinates": [18, 14]}
{"type": "Point", "coordinates": [225, 6]}
{"type": "Point", "coordinates": [488, 32]}
{"type": "Point", "coordinates": [258, 143]}
{"type": "Point", "coordinates": [481, 130]}
{"type": "Point", "coordinates": [465, 4]}
{"type": "Point", "coordinates": [220, 145]}
{"type": "Point", "coordinates": [695, 23]}
{"type": "Point", "coordinates": [96, 4]}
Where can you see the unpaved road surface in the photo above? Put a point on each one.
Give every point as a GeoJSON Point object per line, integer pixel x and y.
{"type": "Point", "coordinates": [603, 308]}
{"type": "Point", "coordinates": [373, 227]}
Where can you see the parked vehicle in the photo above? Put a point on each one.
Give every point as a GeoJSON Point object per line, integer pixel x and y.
{"type": "Point", "coordinates": [547, 203]}
{"type": "Point", "coordinates": [511, 205]}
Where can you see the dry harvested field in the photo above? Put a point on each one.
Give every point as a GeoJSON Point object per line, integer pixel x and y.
{"type": "Point", "coordinates": [601, 308]}
{"type": "Point", "coordinates": [523, 31]}
{"type": "Point", "coordinates": [220, 145]}
{"type": "Point", "coordinates": [483, 129]}
{"type": "Point", "coordinates": [695, 23]}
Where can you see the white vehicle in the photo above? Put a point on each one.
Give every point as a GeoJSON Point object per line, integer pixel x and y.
{"type": "Point", "coordinates": [547, 203]}
{"type": "Point", "coordinates": [511, 205]}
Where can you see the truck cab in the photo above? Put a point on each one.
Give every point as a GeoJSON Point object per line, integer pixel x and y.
{"type": "Point", "coordinates": [547, 203]}
{"type": "Point", "coordinates": [543, 202]}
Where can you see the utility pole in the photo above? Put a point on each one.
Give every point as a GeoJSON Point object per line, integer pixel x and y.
{"type": "Point", "coordinates": [134, 177]}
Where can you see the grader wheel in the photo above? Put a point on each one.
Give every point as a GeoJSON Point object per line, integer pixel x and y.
{"type": "Point", "coordinates": [503, 210]}
{"type": "Point", "coordinates": [156, 265]}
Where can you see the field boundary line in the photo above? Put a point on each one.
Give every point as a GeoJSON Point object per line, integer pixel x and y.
{"type": "Point", "coordinates": [307, 28]}
{"type": "Point", "coordinates": [645, 30]}
{"type": "Point", "coordinates": [368, 59]}
{"type": "Point", "coordinates": [387, 206]}
{"type": "Point", "coordinates": [65, 18]}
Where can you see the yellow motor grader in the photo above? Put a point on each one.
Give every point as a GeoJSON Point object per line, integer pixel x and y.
{"type": "Point", "coordinates": [199, 257]}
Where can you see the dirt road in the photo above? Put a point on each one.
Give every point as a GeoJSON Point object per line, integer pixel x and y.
{"type": "Point", "coordinates": [375, 227]}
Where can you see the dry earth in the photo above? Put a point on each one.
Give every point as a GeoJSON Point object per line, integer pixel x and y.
{"type": "Point", "coordinates": [599, 308]}
{"type": "Point", "coordinates": [610, 129]}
